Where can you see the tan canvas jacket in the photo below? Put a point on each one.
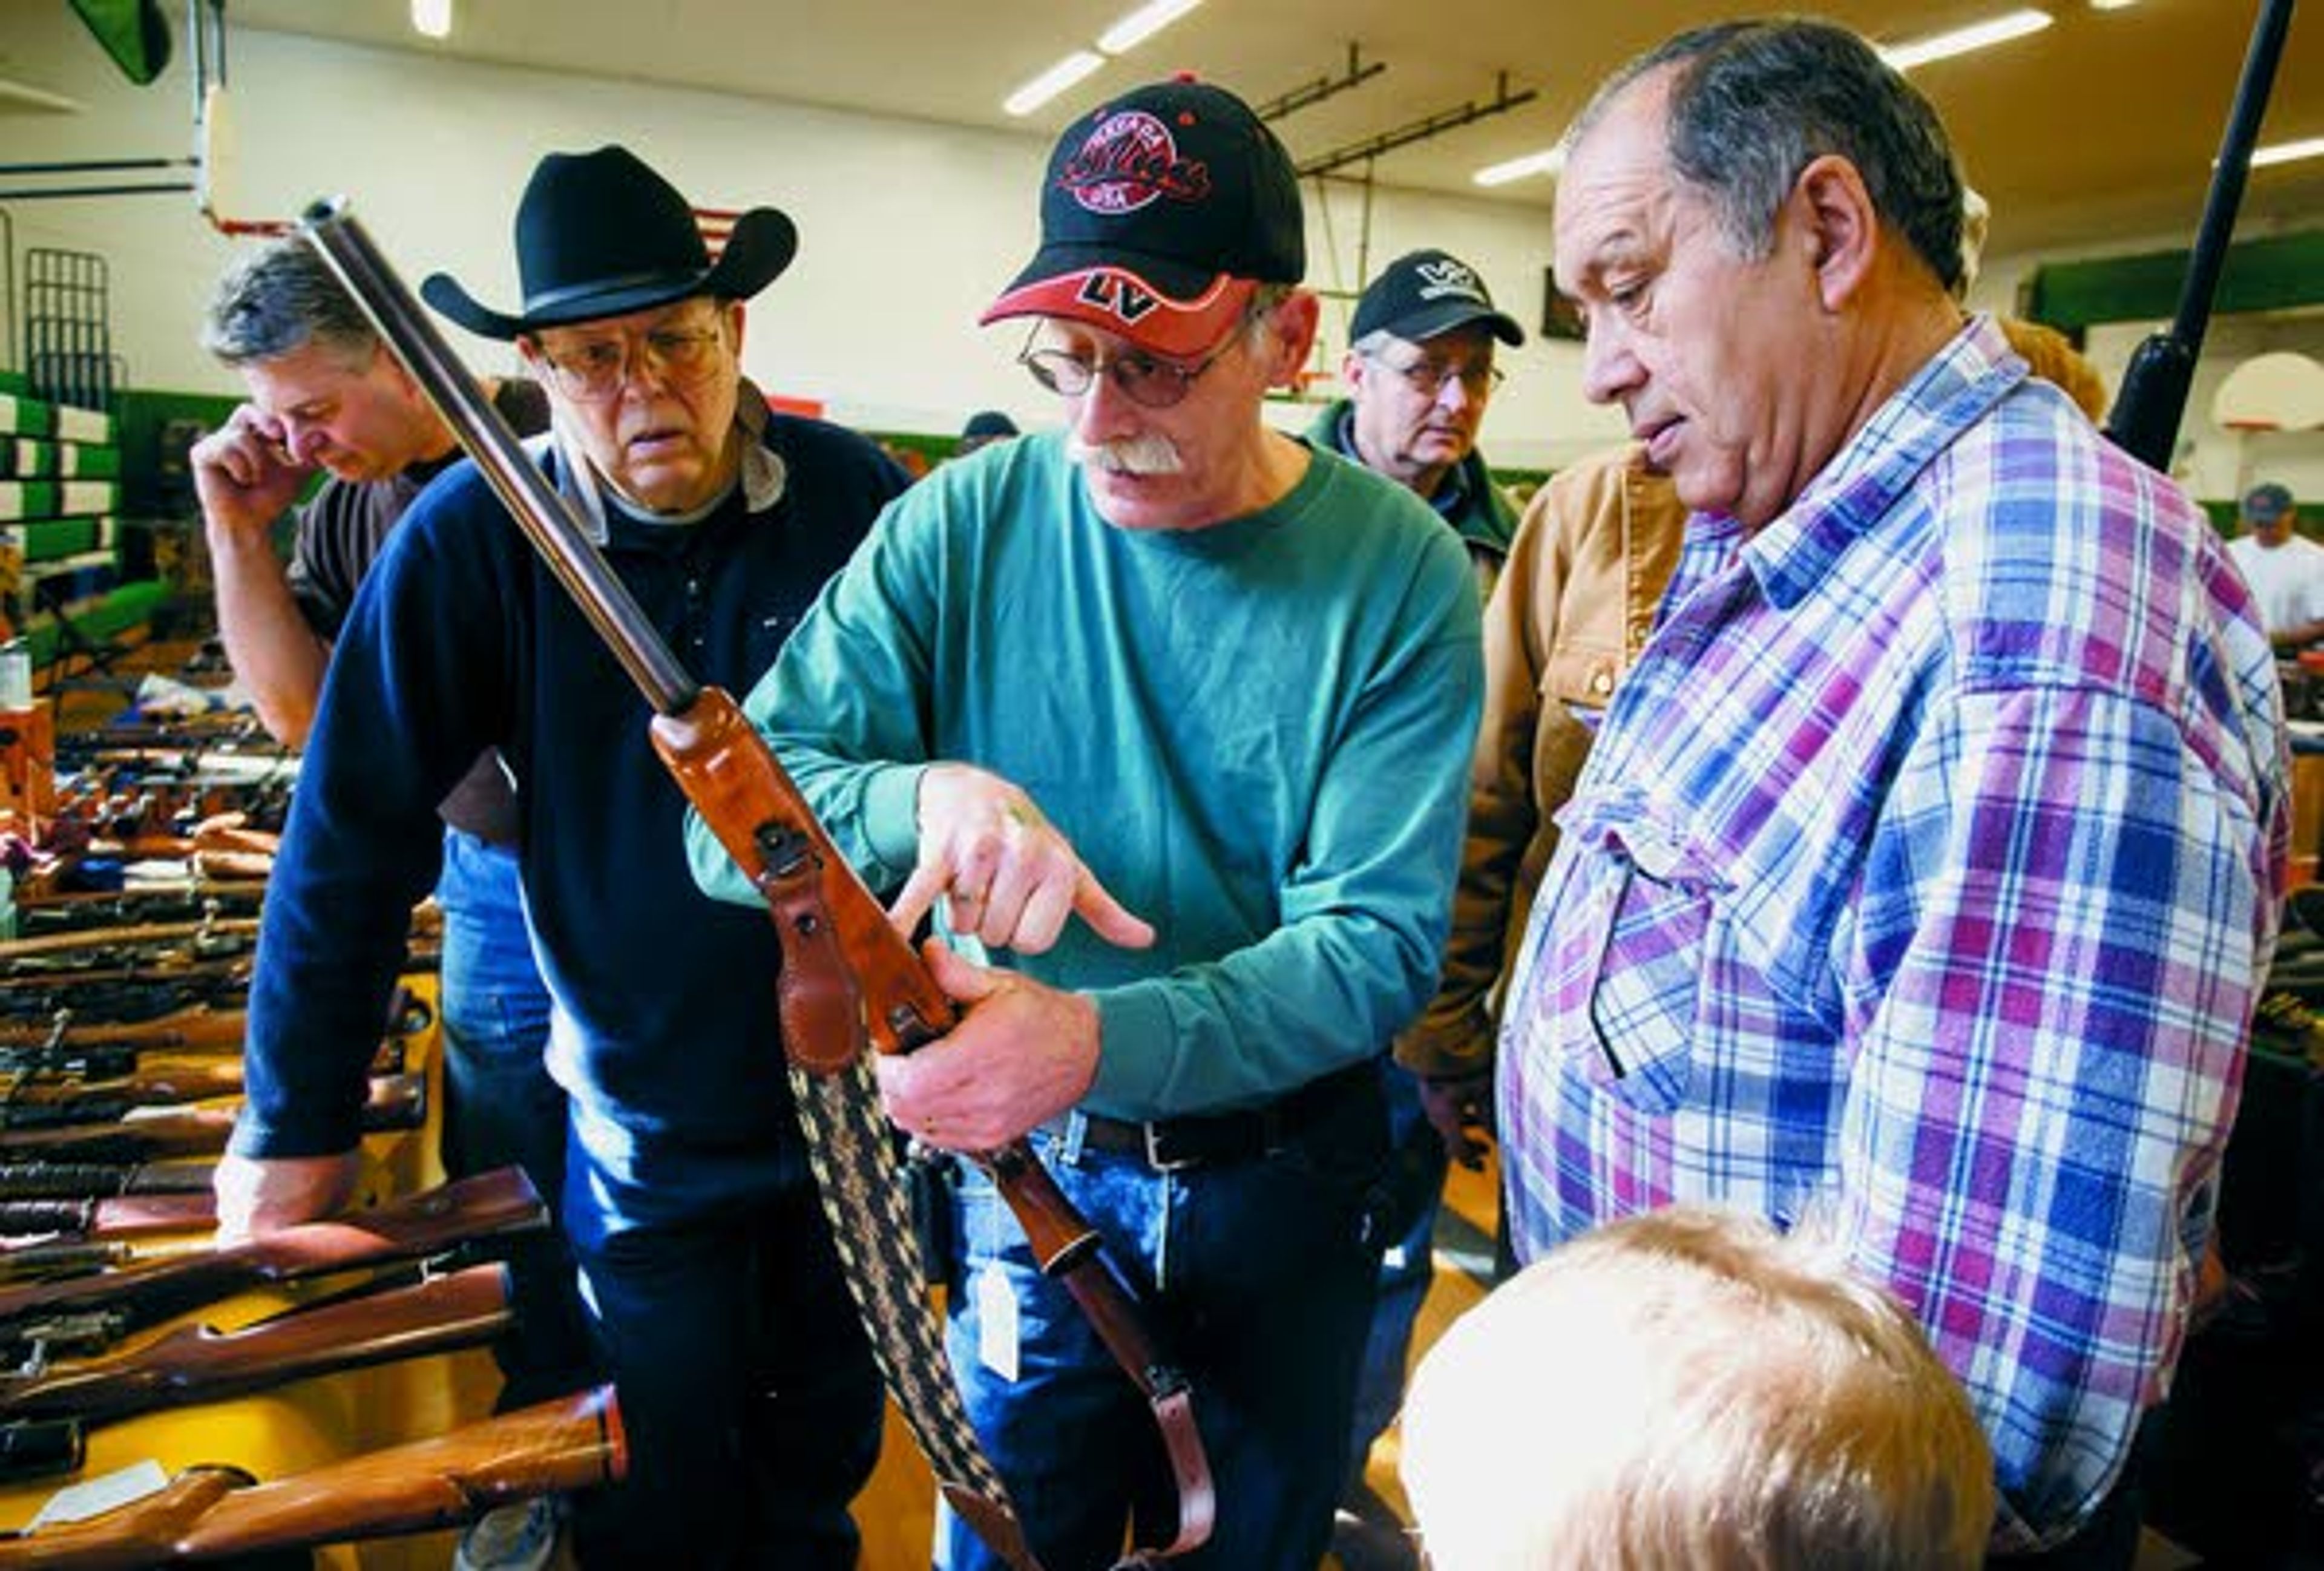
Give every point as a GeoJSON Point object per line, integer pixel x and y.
{"type": "Point", "coordinates": [1569, 615]}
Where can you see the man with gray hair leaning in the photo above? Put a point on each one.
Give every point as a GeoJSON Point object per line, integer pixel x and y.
{"type": "Point", "coordinates": [326, 394]}
{"type": "Point", "coordinates": [1927, 858]}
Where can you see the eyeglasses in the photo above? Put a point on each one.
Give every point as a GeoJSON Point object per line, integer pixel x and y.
{"type": "Point", "coordinates": [1427, 377]}
{"type": "Point", "coordinates": [598, 369]}
{"type": "Point", "coordinates": [1144, 380]}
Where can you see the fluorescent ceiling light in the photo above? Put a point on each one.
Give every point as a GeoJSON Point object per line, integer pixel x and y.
{"type": "Point", "coordinates": [1053, 81]}
{"type": "Point", "coordinates": [2288, 151]}
{"type": "Point", "coordinates": [1548, 160]}
{"type": "Point", "coordinates": [2112, 5]}
{"type": "Point", "coordinates": [1938, 46]}
{"type": "Point", "coordinates": [1142, 24]}
{"type": "Point", "coordinates": [432, 17]}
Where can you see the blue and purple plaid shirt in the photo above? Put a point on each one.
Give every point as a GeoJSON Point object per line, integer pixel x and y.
{"type": "Point", "coordinates": [1921, 873]}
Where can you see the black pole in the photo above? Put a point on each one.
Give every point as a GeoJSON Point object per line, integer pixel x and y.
{"type": "Point", "coordinates": [2144, 422]}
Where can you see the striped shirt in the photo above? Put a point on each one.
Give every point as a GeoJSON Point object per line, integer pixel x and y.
{"type": "Point", "coordinates": [1922, 871]}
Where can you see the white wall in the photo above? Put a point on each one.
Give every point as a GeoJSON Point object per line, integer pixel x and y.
{"type": "Point", "coordinates": [907, 229]}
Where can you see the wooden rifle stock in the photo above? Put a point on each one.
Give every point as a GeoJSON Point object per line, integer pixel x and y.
{"type": "Point", "coordinates": [488, 1206]}
{"type": "Point", "coordinates": [197, 1363]}
{"type": "Point", "coordinates": [206, 1513]}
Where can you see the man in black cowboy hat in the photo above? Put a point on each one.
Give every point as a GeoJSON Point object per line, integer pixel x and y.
{"type": "Point", "coordinates": [749, 1394]}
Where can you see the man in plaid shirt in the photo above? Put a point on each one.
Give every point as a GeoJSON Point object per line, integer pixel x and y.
{"type": "Point", "coordinates": [1924, 865]}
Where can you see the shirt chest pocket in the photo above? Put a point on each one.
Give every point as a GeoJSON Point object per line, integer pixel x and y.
{"type": "Point", "coordinates": [1627, 952]}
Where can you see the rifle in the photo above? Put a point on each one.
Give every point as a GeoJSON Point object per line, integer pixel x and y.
{"type": "Point", "coordinates": [2145, 420]}
{"type": "Point", "coordinates": [89, 1312]}
{"type": "Point", "coordinates": [132, 994]}
{"type": "Point", "coordinates": [196, 1028]}
{"type": "Point", "coordinates": [197, 1364]}
{"type": "Point", "coordinates": [572, 1443]}
{"type": "Point", "coordinates": [82, 910]}
{"type": "Point", "coordinates": [35, 1181]}
{"type": "Point", "coordinates": [848, 979]}
{"type": "Point", "coordinates": [396, 1101]}
{"type": "Point", "coordinates": [128, 1216]}
{"type": "Point", "coordinates": [43, 1100]}
{"type": "Point", "coordinates": [203, 939]}
{"type": "Point", "coordinates": [86, 1061]}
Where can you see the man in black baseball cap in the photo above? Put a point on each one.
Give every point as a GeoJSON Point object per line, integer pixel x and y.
{"type": "Point", "coordinates": [1167, 664]}
{"type": "Point", "coordinates": [1420, 371]}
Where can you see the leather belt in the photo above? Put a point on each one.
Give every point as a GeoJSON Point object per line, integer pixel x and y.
{"type": "Point", "coordinates": [1209, 1140]}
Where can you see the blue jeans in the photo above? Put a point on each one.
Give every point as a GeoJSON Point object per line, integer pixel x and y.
{"type": "Point", "coordinates": [500, 1105]}
{"type": "Point", "coordinates": [748, 1393]}
{"type": "Point", "coordinates": [1410, 1197]}
{"type": "Point", "coordinates": [1257, 1276]}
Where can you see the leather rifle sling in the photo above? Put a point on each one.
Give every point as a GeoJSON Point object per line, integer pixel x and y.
{"type": "Point", "coordinates": [821, 1003]}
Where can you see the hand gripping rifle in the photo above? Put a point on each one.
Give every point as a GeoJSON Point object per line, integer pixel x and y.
{"type": "Point", "coordinates": [2144, 421]}
{"type": "Point", "coordinates": [848, 978]}
{"type": "Point", "coordinates": [207, 1513]}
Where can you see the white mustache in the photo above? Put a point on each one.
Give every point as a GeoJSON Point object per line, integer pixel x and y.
{"type": "Point", "coordinates": [1150, 453]}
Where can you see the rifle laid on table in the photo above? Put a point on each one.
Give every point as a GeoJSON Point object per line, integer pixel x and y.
{"type": "Point", "coordinates": [204, 1513]}
{"type": "Point", "coordinates": [199, 1363]}
{"type": "Point", "coordinates": [396, 1101]}
{"type": "Point", "coordinates": [85, 1313]}
{"type": "Point", "coordinates": [36, 1101]}
{"type": "Point", "coordinates": [37, 1182]}
{"type": "Point", "coordinates": [848, 980]}
{"type": "Point", "coordinates": [130, 1216]}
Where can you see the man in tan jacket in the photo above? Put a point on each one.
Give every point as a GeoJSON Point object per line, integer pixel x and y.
{"type": "Point", "coordinates": [1572, 608]}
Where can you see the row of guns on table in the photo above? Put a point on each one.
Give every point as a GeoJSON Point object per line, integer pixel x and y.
{"type": "Point", "coordinates": [115, 1042]}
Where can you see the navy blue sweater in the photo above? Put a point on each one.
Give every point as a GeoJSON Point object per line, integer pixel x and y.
{"type": "Point", "coordinates": [459, 639]}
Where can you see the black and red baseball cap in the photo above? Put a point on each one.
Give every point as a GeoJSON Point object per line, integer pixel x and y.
{"type": "Point", "coordinates": [1162, 211]}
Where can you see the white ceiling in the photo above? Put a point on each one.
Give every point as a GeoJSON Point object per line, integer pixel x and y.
{"type": "Point", "coordinates": [2100, 129]}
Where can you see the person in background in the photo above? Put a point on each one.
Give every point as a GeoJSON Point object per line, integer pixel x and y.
{"type": "Point", "coordinates": [1699, 1390]}
{"type": "Point", "coordinates": [1419, 373]}
{"type": "Point", "coordinates": [2284, 567]}
{"type": "Point", "coordinates": [1927, 857]}
{"type": "Point", "coordinates": [984, 427]}
{"type": "Point", "coordinates": [327, 394]}
{"type": "Point", "coordinates": [1192, 827]}
{"type": "Point", "coordinates": [747, 1387]}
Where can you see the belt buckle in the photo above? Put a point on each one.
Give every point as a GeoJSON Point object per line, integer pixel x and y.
{"type": "Point", "coordinates": [1154, 1134]}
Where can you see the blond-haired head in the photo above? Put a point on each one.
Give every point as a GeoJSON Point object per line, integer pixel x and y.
{"type": "Point", "coordinates": [1693, 1389]}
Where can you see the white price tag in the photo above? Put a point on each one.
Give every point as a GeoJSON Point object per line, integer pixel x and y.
{"type": "Point", "coordinates": [996, 1323]}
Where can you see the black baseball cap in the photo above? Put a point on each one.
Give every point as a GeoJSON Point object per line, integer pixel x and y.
{"type": "Point", "coordinates": [1160, 214]}
{"type": "Point", "coordinates": [2266, 504]}
{"type": "Point", "coordinates": [1423, 293]}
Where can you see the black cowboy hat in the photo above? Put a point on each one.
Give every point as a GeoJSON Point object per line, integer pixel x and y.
{"type": "Point", "coordinates": [600, 235]}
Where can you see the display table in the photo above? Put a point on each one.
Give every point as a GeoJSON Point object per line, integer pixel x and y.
{"type": "Point", "coordinates": [314, 1421]}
